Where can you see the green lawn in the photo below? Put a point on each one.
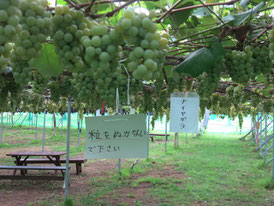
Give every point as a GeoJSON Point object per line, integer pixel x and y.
{"type": "Point", "coordinates": [213, 169]}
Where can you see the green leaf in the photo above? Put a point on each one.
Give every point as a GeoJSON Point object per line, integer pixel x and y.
{"type": "Point", "coordinates": [202, 60]}
{"type": "Point", "coordinates": [202, 11]}
{"type": "Point", "coordinates": [260, 78]}
{"type": "Point", "coordinates": [181, 17]}
{"type": "Point", "coordinates": [48, 62]}
{"type": "Point", "coordinates": [62, 2]}
{"type": "Point", "coordinates": [265, 92]}
{"type": "Point", "coordinates": [243, 3]}
{"type": "Point", "coordinates": [238, 19]}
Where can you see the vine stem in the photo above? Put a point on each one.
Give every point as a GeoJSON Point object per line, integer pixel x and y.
{"type": "Point", "coordinates": [73, 4]}
{"type": "Point", "coordinates": [109, 14]}
{"type": "Point", "coordinates": [168, 11]}
{"type": "Point", "coordinates": [87, 11]}
{"type": "Point", "coordinates": [220, 19]}
{"type": "Point", "coordinates": [205, 5]}
{"type": "Point", "coordinates": [262, 32]}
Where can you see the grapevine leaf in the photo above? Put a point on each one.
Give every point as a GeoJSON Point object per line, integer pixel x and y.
{"type": "Point", "coordinates": [197, 62]}
{"type": "Point", "coordinates": [181, 17]}
{"type": "Point", "coordinates": [238, 19]}
{"type": "Point", "coordinates": [244, 3]}
{"type": "Point", "coordinates": [202, 60]}
{"type": "Point", "coordinates": [48, 61]}
{"type": "Point", "coordinates": [202, 12]}
{"type": "Point", "coordinates": [260, 78]}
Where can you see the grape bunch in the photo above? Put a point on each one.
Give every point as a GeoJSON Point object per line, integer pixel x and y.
{"type": "Point", "coordinates": [61, 87]}
{"type": "Point", "coordinates": [149, 47]}
{"type": "Point", "coordinates": [271, 45]}
{"type": "Point", "coordinates": [208, 81]}
{"type": "Point", "coordinates": [54, 88]}
{"type": "Point", "coordinates": [69, 26]}
{"type": "Point", "coordinates": [240, 65]}
{"type": "Point", "coordinates": [9, 28]}
{"type": "Point", "coordinates": [102, 53]}
{"type": "Point", "coordinates": [36, 26]}
{"type": "Point", "coordinates": [39, 83]}
{"type": "Point", "coordinates": [262, 62]}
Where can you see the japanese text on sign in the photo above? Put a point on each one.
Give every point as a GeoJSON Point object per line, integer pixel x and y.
{"type": "Point", "coordinates": [184, 112]}
{"type": "Point", "coordinates": [116, 137]}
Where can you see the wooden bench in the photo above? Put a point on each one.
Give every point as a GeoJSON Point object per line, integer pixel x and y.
{"type": "Point", "coordinates": [151, 135]}
{"type": "Point", "coordinates": [25, 168]}
{"type": "Point", "coordinates": [77, 161]}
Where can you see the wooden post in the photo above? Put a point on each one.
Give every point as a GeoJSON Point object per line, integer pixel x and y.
{"type": "Point", "coordinates": [176, 137]}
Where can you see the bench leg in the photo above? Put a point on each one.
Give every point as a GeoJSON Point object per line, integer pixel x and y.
{"type": "Point", "coordinates": [151, 137]}
{"type": "Point", "coordinates": [77, 169]}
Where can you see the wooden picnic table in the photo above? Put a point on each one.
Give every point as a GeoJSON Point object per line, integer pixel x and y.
{"type": "Point", "coordinates": [54, 157]}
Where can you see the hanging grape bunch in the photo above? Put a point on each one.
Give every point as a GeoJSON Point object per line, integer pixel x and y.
{"type": "Point", "coordinates": [39, 83]}
{"type": "Point", "coordinates": [262, 62]}
{"type": "Point", "coordinates": [9, 28]}
{"type": "Point", "coordinates": [208, 81]}
{"type": "Point", "coordinates": [271, 45]}
{"type": "Point", "coordinates": [36, 26]}
{"type": "Point", "coordinates": [240, 65]}
{"type": "Point", "coordinates": [102, 53]}
{"type": "Point", "coordinates": [149, 47]}
{"type": "Point", "coordinates": [69, 26]}
{"type": "Point", "coordinates": [54, 88]}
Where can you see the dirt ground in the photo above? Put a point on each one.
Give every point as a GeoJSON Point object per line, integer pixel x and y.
{"type": "Point", "coordinates": [22, 193]}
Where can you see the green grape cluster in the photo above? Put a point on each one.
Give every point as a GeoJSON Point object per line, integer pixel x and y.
{"type": "Point", "coordinates": [39, 83]}
{"type": "Point", "coordinates": [262, 62]}
{"type": "Point", "coordinates": [21, 71]}
{"type": "Point", "coordinates": [61, 87]}
{"type": "Point", "coordinates": [36, 26]}
{"type": "Point", "coordinates": [54, 88]}
{"type": "Point", "coordinates": [69, 26]}
{"type": "Point", "coordinates": [271, 45]}
{"type": "Point", "coordinates": [102, 53]}
{"type": "Point", "coordinates": [208, 81]}
{"type": "Point", "coordinates": [149, 47]}
{"type": "Point", "coordinates": [9, 28]}
{"type": "Point", "coordinates": [9, 89]}
{"type": "Point", "coordinates": [66, 88]}
{"type": "Point", "coordinates": [240, 65]}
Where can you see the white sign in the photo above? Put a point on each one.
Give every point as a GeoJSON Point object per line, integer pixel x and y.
{"type": "Point", "coordinates": [184, 112]}
{"type": "Point", "coordinates": [118, 136]}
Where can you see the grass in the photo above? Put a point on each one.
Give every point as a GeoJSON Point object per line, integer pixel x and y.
{"type": "Point", "coordinates": [213, 169]}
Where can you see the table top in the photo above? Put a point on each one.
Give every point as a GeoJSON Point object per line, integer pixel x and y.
{"type": "Point", "coordinates": [35, 153]}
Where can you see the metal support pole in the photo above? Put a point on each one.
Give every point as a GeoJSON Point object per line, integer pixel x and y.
{"type": "Point", "coordinates": [78, 125]}
{"type": "Point", "coordinates": [119, 166]}
{"type": "Point", "coordinates": [20, 115]}
{"type": "Point", "coordinates": [24, 119]}
{"type": "Point", "coordinates": [117, 110]}
{"type": "Point", "coordinates": [265, 132]}
{"type": "Point", "coordinates": [261, 135]}
{"type": "Point", "coordinates": [62, 124]}
{"type": "Point", "coordinates": [148, 122]}
{"type": "Point", "coordinates": [36, 126]}
{"type": "Point", "coordinates": [1, 128]}
{"type": "Point", "coordinates": [79, 130]}
{"type": "Point", "coordinates": [7, 122]}
{"type": "Point", "coordinates": [166, 133]}
{"type": "Point", "coordinates": [273, 153]}
{"type": "Point", "coordinates": [44, 131]}
{"type": "Point", "coordinates": [29, 121]}
{"type": "Point", "coordinates": [67, 151]}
